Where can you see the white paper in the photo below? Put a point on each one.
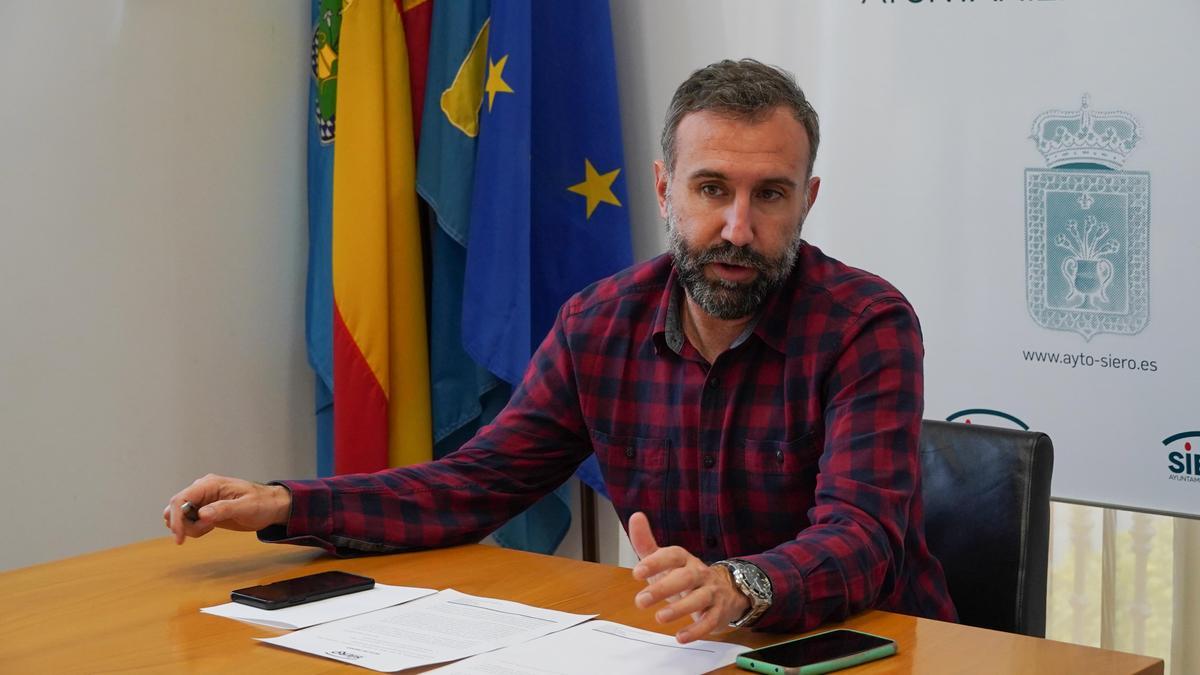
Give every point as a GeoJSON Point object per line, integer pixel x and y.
{"type": "Point", "coordinates": [321, 611]}
{"type": "Point", "coordinates": [442, 627]}
{"type": "Point", "coordinates": [600, 648]}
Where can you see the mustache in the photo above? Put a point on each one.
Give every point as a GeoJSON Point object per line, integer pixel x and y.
{"type": "Point", "coordinates": [729, 254]}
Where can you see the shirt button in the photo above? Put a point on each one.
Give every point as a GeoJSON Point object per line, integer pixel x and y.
{"type": "Point", "coordinates": [629, 453]}
{"type": "Point", "coordinates": [709, 461]}
{"type": "Point", "coordinates": [714, 382]}
{"type": "Point", "coordinates": [779, 456]}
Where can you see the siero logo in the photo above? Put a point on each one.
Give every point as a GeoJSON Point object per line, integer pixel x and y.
{"type": "Point", "coordinates": [1183, 457]}
{"type": "Point", "coordinates": [985, 416]}
{"type": "Point", "coordinates": [343, 654]}
{"type": "Point", "coordinates": [1087, 225]}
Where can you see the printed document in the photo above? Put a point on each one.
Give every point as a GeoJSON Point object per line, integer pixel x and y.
{"type": "Point", "coordinates": [321, 611]}
{"type": "Point", "coordinates": [442, 627]}
{"type": "Point", "coordinates": [601, 648]}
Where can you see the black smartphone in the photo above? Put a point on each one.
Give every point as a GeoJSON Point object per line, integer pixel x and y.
{"type": "Point", "coordinates": [820, 653]}
{"type": "Point", "coordinates": [309, 588]}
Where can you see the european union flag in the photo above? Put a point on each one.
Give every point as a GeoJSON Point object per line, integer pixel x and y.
{"type": "Point", "coordinates": [548, 213]}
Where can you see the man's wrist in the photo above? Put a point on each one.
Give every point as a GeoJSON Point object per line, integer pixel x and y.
{"type": "Point", "coordinates": [741, 601]}
{"type": "Point", "coordinates": [753, 584]}
{"type": "Point", "coordinates": [281, 504]}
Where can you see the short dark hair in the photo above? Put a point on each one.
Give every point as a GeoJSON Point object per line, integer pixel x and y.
{"type": "Point", "coordinates": [745, 89]}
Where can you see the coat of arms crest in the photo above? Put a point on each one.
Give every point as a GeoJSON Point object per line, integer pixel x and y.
{"type": "Point", "coordinates": [324, 62]}
{"type": "Point", "coordinates": [1087, 225]}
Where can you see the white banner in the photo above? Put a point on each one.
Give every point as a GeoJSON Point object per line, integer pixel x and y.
{"type": "Point", "coordinates": [1024, 172]}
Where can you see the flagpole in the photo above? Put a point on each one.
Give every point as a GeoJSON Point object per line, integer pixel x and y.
{"type": "Point", "coordinates": [587, 525]}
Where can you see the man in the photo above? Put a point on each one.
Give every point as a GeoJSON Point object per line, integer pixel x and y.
{"type": "Point", "coordinates": [754, 404]}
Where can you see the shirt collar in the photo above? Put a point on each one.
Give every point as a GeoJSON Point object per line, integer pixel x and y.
{"type": "Point", "coordinates": [776, 313]}
{"type": "Point", "coordinates": [662, 318]}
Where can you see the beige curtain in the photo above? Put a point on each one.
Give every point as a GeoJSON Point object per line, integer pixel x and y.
{"type": "Point", "coordinates": [1185, 629]}
{"type": "Point", "coordinates": [1126, 581]}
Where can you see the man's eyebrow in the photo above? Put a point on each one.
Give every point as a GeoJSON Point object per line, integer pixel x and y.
{"type": "Point", "coordinates": [707, 173]}
{"type": "Point", "coordinates": [700, 174]}
{"type": "Point", "coordinates": [779, 180]}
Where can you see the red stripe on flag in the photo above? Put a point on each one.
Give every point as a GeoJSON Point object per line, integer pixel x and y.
{"type": "Point", "coordinates": [360, 411]}
{"type": "Point", "coordinates": [418, 22]}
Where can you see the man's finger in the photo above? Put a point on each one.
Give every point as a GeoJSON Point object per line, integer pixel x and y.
{"type": "Point", "coordinates": [218, 512]}
{"type": "Point", "coordinates": [206, 521]}
{"type": "Point", "coordinates": [196, 493]}
{"type": "Point", "coordinates": [670, 587]}
{"type": "Point", "coordinates": [175, 522]}
{"type": "Point", "coordinates": [693, 601]}
{"type": "Point", "coordinates": [169, 516]}
{"type": "Point", "coordinates": [662, 561]}
{"type": "Point", "coordinates": [199, 529]}
{"type": "Point", "coordinates": [705, 626]}
{"type": "Point", "coordinates": [640, 535]}
{"type": "Point", "coordinates": [180, 525]}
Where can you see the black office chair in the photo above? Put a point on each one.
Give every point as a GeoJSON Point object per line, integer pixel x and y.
{"type": "Point", "coordinates": [987, 519]}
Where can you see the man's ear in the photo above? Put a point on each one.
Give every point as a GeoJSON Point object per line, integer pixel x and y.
{"type": "Point", "coordinates": [662, 178]}
{"type": "Point", "coordinates": [810, 194]}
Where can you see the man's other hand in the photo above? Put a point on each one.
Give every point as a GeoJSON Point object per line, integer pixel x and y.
{"type": "Point", "coordinates": [229, 503]}
{"type": "Point", "coordinates": [686, 584]}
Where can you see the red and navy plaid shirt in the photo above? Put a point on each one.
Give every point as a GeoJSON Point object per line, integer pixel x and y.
{"type": "Point", "coordinates": [796, 449]}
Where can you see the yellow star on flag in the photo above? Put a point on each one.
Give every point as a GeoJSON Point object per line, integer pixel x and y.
{"type": "Point", "coordinates": [597, 187]}
{"type": "Point", "coordinates": [495, 80]}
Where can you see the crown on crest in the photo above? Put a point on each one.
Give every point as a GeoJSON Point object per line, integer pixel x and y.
{"type": "Point", "coordinates": [1085, 135]}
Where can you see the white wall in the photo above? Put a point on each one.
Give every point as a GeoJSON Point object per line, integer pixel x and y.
{"type": "Point", "coordinates": [152, 252]}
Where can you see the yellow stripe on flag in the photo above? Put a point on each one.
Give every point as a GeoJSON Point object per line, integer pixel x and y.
{"type": "Point", "coordinates": [378, 281]}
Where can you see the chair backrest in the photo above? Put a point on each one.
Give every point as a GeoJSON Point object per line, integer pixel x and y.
{"type": "Point", "coordinates": [987, 519]}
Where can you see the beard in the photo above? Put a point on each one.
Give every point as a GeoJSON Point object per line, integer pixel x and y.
{"type": "Point", "coordinates": [722, 298]}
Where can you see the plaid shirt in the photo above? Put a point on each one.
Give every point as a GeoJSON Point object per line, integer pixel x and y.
{"type": "Point", "coordinates": [795, 450]}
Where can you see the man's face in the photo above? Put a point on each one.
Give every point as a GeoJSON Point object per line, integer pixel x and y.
{"type": "Point", "coordinates": [734, 205]}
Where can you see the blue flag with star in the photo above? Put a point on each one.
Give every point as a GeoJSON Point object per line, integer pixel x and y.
{"type": "Point", "coordinates": [549, 207]}
{"type": "Point", "coordinates": [464, 395]}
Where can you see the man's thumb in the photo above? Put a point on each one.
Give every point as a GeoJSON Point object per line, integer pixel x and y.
{"type": "Point", "coordinates": [640, 535]}
{"type": "Point", "coordinates": [216, 512]}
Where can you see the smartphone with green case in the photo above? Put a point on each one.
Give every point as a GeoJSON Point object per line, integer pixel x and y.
{"type": "Point", "coordinates": [816, 654]}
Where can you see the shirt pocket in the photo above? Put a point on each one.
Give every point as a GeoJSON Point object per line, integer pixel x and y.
{"type": "Point", "coordinates": [778, 480]}
{"type": "Point", "coordinates": [635, 473]}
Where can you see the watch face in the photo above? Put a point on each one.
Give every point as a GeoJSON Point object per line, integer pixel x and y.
{"type": "Point", "coordinates": [756, 579]}
{"type": "Point", "coordinates": [756, 586]}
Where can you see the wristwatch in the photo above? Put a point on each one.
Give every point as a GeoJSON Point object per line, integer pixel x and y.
{"type": "Point", "coordinates": [754, 584]}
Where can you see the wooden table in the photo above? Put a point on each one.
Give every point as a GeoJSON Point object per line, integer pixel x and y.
{"type": "Point", "coordinates": [136, 608]}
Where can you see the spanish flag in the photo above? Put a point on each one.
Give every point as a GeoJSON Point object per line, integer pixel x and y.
{"type": "Point", "coordinates": [381, 411]}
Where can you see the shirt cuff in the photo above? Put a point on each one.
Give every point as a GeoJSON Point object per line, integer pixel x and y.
{"type": "Point", "coordinates": [787, 594]}
{"type": "Point", "coordinates": [311, 514]}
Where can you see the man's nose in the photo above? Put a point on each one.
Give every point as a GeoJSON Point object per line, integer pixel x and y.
{"type": "Point", "coordinates": [739, 227]}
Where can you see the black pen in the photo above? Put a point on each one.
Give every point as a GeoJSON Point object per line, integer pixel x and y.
{"type": "Point", "coordinates": [190, 512]}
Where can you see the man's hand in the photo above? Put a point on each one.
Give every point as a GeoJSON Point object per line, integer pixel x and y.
{"type": "Point", "coordinates": [230, 503]}
{"type": "Point", "coordinates": [687, 585]}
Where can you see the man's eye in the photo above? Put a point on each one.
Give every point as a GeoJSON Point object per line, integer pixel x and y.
{"type": "Point", "coordinates": [770, 195]}
{"type": "Point", "coordinates": [710, 190]}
